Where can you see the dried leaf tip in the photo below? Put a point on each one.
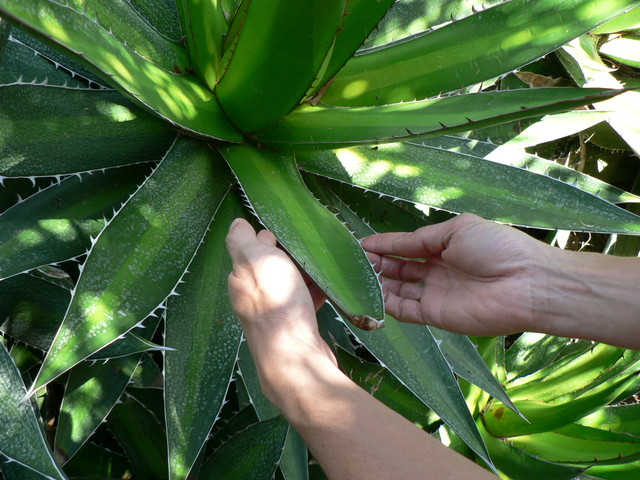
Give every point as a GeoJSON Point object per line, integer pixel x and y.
{"type": "Point", "coordinates": [366, 322]}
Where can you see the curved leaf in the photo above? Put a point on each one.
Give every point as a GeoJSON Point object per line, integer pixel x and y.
{"type": "Point", "coordinates": [311, 234]}
{"type": "Point", "coordinates": [278, 51]}
{"type": "Point", "coordinates": [577, 444]}
{"type": "Point", "coordinates": [442, 179]}
{"type": "Point", "coordinates": [310, 127]}
{"type": "Point", "coordinates": [472, 50]}
{"type": "Point", "coordinates": [140, 255]}
{"type": "Point", "coordinates": [180, 100]}
{"type": "Point", "coordinates": [162, 15]}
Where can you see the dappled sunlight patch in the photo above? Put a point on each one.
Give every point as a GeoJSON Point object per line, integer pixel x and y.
{"type": "Point", "coordinates": [31, 237]}
{"type": "Point", "coordinates": [117, 112]}
{"type": "Point", "coordinates": [62, 228]}
{"type": "Point", "coordinates": [355, 89]}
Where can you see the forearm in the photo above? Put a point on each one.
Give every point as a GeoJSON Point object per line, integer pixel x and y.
{"type": "Point", "coordinates": [354, 436]}
{"type": "Point", "coordinates": [590, 296]}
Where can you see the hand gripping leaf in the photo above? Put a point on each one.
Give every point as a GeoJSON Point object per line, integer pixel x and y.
{"type": "Point", "coordinates": [311, 234]}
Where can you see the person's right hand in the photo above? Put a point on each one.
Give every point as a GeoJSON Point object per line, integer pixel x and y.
{"type": "Point", "coordinates": [477, 277]}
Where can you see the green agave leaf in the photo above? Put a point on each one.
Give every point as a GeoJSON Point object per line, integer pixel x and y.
{"type": "Point", "coordinates": [322, 127]}
{"type": "Point", "coordinates": [311, 234]}
{"type": "Point", "coordinates": [294, 460]}
{"type": "Point", "coordinates": [32, 309]}
{"type": "Point", "coordinates": [467, 363]}
{"type": "Point", "coordinates": [532, 352]}
{"type": "Point", "coordinates": [279, 50]}
{"type": "Point", "coordinates": [533, 163]}
{"type": "Point", "coordinates": [441, 179]}
{"type": "Point", "coordinates": [202, 330]}
{"type": "Point", "coordinates": [359, 19]}
{"type": "Point", "coordinates": [97, 462]}
{"type": "Point", "coordinates": [161, 15]}
{"type": "Point", "coordinates": [21, 64]}
{"type": "Point", "coordinates": [382, 214]}
{"type": "Point", "coordinates": [58, 222]}
{"type": "Point", "coordinates": [180, 100]}
{"type": "Point", "coordinates": [626, 21]}
{"type": "Point", "coordinates": [13, 190]}
{"type": "Point", "coordinates": [22, 437]}
{"type": "Point", "coordinates": [383, 385]}
{"type": "Point", "coordinates": [251, 455]}
{"type": "Point", "coordinates": [140, 256]}
{"type": "Point", "coordinates": [92, 391]}
{"type": "Point", "coordinates": [46, 56]}
{"type": "Point", "coordinates": [238, 422]}
{"type": "Point", "coordinates": [148, 374]}
{"type": "Point", "coordinates": [130, 344]}
{"type": "Point", "coordinates": [205, 27]}
{"type": "Point", "coordinates": [577, 444]}
{"type": "Point", "coordinates": [53, 131]}
{"type": "Point", "coordinates": [123, 21]}
{"type": "Point", "coordinates": [628, 471]}
{"type": "Point", "coordinates": [142, 438]}
{"type": "Point", "coordinates": [618, 418]}
{"type": "Point", "coordinates": [472, 50]}
{"type": "Point", "coordinates": [407, 18]}
{"type": "Point", "coordinates": [542, 417]}
{"type": "Point", "coordinates": [574, 374]}
{"type": "Point", "coordinates": [519, 465]}
{"type": "Point", "coordinates": [411, 353]}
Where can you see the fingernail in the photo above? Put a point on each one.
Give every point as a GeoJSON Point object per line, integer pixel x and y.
{"type": "Point", "coordinates": [234, 223]}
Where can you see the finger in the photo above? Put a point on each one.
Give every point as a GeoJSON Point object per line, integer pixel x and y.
{"type": "Point", "coordinates": [401, 269]}
{"type": "Point", "coordinates": [240, 239]}
{"type": "Point", "coordinates": [401, 289]}
{"type": "Point", "coordinates": [267, 238]}
{"type": "Point", "coordinates": [432, 239]}
{"type": "Point", "coordinates": [382, 243]}
{"type": "Point", "coordinates": [403, 309]}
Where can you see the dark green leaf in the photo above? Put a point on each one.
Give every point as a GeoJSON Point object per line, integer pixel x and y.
{"type": "Point", "coordinates": [202, 329]}
{"type": "Point", "coordinates": [251, 455]}
{"type": "Point", "coordinates": [141, 255]}
{"type": "Point", "coordinates": [441, 179]}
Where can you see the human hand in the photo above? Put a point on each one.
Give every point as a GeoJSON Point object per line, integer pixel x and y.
{"type": "Point", "coordinates": [274, 305]}
{"type": "Point", "coordinates": [477, 277]}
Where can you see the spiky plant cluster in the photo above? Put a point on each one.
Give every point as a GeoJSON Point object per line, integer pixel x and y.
{"type": "Point", "coordinates": [134, 131]}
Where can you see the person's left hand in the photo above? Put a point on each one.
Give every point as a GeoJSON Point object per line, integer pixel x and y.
{"type": "Point", "coordinates": [273, 303]}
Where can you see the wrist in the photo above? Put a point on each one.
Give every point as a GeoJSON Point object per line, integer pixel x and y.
{"type": "Point", "coordinates": [589, 296]}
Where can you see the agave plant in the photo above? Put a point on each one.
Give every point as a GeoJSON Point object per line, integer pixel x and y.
{"type": "Point", "coordinates": [134, 131]}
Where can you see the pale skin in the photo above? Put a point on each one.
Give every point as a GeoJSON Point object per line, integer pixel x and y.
{"type": "Point", "coordinates": [474, 277]}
